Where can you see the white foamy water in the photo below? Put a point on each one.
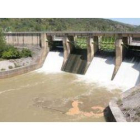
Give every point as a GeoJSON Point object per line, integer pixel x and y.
{"type": "Point", "coordinates": [128, 74]}
{"type": "Point", "coordinates": [101, 69]}
{"type": "Point", "coordinates": [53, 63]}
{"type": "Point", "coordinates": [100, 72]}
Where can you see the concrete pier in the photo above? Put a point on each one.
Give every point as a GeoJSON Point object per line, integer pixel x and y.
{"type": "Point", "coordinates": [92, 47]}
{"type": "Point", "coordinates": [119, 55]}
{"type": "Point", "coordinates": [68, 45]}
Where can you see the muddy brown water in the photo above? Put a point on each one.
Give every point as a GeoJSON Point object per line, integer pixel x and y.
{"type": "Point", "coordinates": [39, 97]}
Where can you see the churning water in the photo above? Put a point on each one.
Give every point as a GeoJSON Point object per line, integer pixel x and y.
{"type": "Point", "coordinates": [53, 63]}
{"type": "Point", "coordinates": [101, 69]}
{"type": "Point", "coordinates": [128, 74]}
{"type": "Point", "coordinates": [51, 95]}
{"type": "Point", "coordinates": [48, 94]}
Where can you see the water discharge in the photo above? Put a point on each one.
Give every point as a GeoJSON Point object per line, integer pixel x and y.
{"type": "Point", "coordinates": [128, 74]}
{"type": "Point", "coordinates": [101, 70]}
{"type": "Point", "coordinates": [53, 62]}
{"type": "Point", "coordinates": [48, 94]}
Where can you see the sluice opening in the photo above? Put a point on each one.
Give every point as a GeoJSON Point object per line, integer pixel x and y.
{"type": "Point", "coordinates": [106, 48]}
{"type": "Point", "coordinates": [55, 57]}
{"type": "Point", "coordinates": [102, 65]}
{"type": "Point", "coordinates": [129, 71]}
{"type": "Point", "coordinates": [56, 44]}
{"type": "Point", "coordinates": [77, 59]}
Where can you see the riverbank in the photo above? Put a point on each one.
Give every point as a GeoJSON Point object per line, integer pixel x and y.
{"type": "Point", "coordinates": [7, 65]}
{"type": "Point", "coordinates": [127, 108]}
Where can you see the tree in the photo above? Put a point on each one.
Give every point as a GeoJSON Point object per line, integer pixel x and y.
{"type": "Point", "coordinates": [2, 42]}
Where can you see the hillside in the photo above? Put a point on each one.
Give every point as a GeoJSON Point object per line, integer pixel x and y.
{"type": "Point", "coordinates": [61, 24]}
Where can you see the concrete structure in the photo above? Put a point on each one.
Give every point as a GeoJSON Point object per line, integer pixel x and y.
{"type": "Point", "coordinates": [45, 39]}
{"type": "Point", "coordinates": [92, 47]}
{"type": "Point", "coordinates": [39, 62]}
{"type": "Point", "coordinates": [116, 111]}
{"type": "Point", "coordinates": [68, 44]}
{"type": "Point", "coordinates": [119, 55]}
{"type": "Point", "coordinates": [23, 39]}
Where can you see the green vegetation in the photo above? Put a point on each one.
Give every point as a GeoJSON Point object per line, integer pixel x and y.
{"type": "Point", "coordinates": [63, 24]}
{"type": "Point", "coordinates": [2, 69]}
{"type": "Point", "coordinates": [13, 53]}
{"type": "Point", "coordinates": [25, 53]}
{"type": "Point", "coordinates": [107, 43]}
{"type": "Point", "coordinates": [81, 43]}
{"type": "Point", "coordinates": [2, 43]}
{"type": "Point", "coordinates": [10, 67]}
{"type": "Point", "coordinates": [59, 24]}
{"type": "Point", "coordinates": [10, 52]}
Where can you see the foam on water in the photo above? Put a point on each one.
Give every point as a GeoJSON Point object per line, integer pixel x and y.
{"type": "Point", "coordinates": [128, 74]}
{"type": "Point", "coordinates": [101, 69]}
{"type": "Point", "coordinates": [100, 72]}
{"type": "Point", "coordinates": [53, 63]}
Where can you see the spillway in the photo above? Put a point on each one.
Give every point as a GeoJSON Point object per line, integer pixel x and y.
{"type": "Point", "coordinates": [101, 70]}
{"type": "Point", "coordinates": [128, 74]}
{"type": "Point", "coordinates": [76, 62]}
{"type": "Point", "coordinates": [53, 62]}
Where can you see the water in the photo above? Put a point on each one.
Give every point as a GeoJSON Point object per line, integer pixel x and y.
{"type": "Point", "coordinates": [53, 62]}
{"type": "Point", "coordinates": [50, 95]}
{"type": "Point", "coordinates": [128, 74]}
{"type": "Point", "coordinates": [101, 69]}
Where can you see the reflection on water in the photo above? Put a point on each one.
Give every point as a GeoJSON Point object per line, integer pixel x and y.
{"type": "Point", "coordinates": [52, 97]}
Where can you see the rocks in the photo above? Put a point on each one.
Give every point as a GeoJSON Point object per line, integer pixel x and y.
{"type": "Point", "coordinates": [130, 104]}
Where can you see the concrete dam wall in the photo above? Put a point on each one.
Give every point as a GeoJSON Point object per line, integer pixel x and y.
{"type": "Point", "coordinates": [26, 39]}
{"type": "Point", "coordinates": [86, 62]}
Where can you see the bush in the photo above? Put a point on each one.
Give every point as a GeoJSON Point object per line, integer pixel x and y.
{"type": "Point", "coordinates": [10, 67]}
{"type": "Point", "coordinates": [2, 43]}
{"type": "Point", "coordinates": [2, 69]}
{"type": "Point", "coordinates": [26, 53]}
{"type": "Point", "coordinates": [11, 53]}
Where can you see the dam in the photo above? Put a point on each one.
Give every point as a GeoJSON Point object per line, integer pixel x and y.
{"type": "Point", "coordinates": [70, 84]}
